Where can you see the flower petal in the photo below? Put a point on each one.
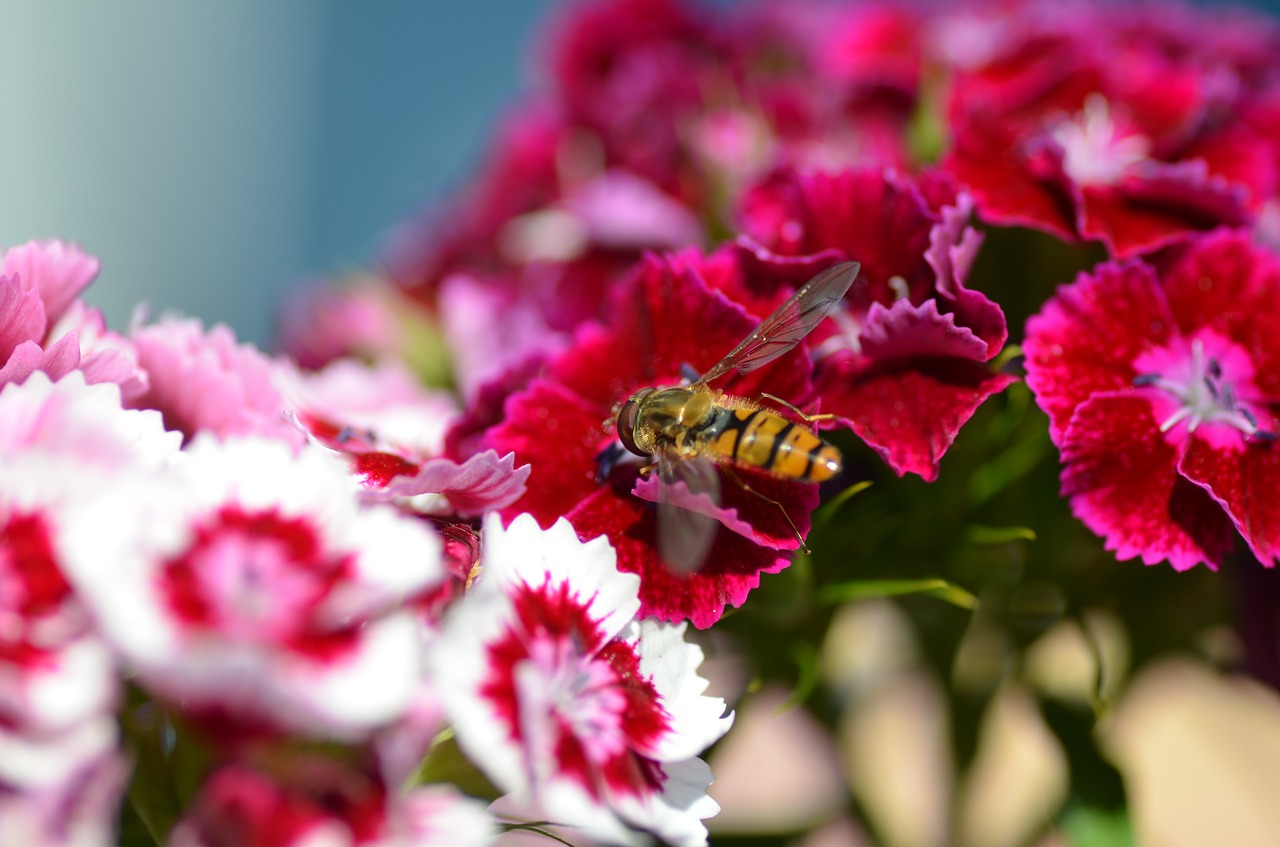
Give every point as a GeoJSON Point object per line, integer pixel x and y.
{"type": "Point", "coordinates": [1245, 482]}
{"type": "Point", "coordinates": [1119, 473]}
{"type": "Point", "coordinates": [1085, 338]}
{"type": "Point", "coordinates": [909, 410]}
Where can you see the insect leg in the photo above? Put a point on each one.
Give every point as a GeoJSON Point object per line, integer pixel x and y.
{"type": "Point", "coordinates": [745, 487]}
{"type": "Point", "coordinates": [825, 416]}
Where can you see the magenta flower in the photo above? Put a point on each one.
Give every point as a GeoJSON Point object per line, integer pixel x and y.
{"type": "Point", "coordinates": [907, 365]}
{"type": "Point", "coordinates": [584, 715]}
{"type": "Point", "coordinates": [259, 593]}
{"type": "Point", "coordinates": [1161, 382]}
{"type": "Point", "coordinates": [666, 319]}
{"type": "Point", "coordinates": [1126, 131]}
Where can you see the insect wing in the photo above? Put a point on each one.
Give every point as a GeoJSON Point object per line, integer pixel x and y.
{"type": "Point", "coordinates": [790, 322]}
{"type": "Point", "coordinates": [685, 531]}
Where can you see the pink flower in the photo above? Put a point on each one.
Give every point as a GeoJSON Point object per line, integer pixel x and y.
{"type": "Point", "coordinates": [1161, 382]}
{"type": "Point", "coordinates": [903, 363]}
{"type": "Point", "coordinates": [666, 318]}
{"type": "Point", "coordinates": [362, 317]}
{"type": "Point", "coordinates": [203, 381]}
{"type": "Point", "coordinates": [257, 592]}
{"type": "Point", "coordinates": [44, 327]}
{"type": "Point", "coordinates": [55, 271]}
{"type": "Point", "coordinates": [582, 714]}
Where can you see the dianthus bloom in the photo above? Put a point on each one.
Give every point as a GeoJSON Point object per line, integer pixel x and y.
{"type": "Point", "coordinates": [666, 319]}
{"type": "Point", "coordinates": [583, 714]}
{"type": "Point", "coordinates": [62, 444]}
{"type": "Point", "coordinates": [258, 592]}
{"type": "Point", "coordinates": [316, 802]}
{"type": "Point", "coordinates": [1162, 385]}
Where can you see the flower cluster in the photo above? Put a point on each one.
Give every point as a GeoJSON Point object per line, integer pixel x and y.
{"type": "Point", "coordinates": [274, 558]}
{"type": "Point", "coordinates": [324, 592]}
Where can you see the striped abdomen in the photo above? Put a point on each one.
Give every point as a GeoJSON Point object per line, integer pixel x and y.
{"type": "Point", "coordinates": [762, 439]}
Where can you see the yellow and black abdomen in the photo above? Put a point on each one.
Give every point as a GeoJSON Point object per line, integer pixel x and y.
{"type": "Point", "coordinates": [762, 439]}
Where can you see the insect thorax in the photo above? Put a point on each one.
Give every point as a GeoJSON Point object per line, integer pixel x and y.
{"type": "Point", "coordinates": [672, 415]}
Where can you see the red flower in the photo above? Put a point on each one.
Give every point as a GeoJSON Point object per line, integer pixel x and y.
{"type": "Point", "coordinates": [1161, 383]}
{"type": "Point", "coordinates": [907, 367]}
{"type": "Point", "coordinates": [1126, 132]}
{"type": "Point", "coordinates": [666, 319]}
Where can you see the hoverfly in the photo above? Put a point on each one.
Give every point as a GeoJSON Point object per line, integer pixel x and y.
{"type": "Point", "coordinates": [690, 429]}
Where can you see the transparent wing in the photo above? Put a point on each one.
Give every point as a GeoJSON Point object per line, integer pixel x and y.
{"type": "Point", "coordinates": [685, 533]}
{"type": "Point", "coordinates": [790, 322]}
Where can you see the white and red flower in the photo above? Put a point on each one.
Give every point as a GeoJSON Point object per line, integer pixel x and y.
{"type": "Point", "coordinates": [62, 444]}
{"type": "Point", "coordinates": [80, 811]}
{"type": "Point", "coordinates": [324, 803]}
{"type": "Point", "coordinates": [250, 585]}
{"type": "Point", "coordinates": [391, 431]}
{"type": "Point", "coordinates": [584, 715]}
{"type": "Point", "coordinates": [1162, 386]}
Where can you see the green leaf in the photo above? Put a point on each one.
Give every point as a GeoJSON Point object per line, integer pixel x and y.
{"type": "Point", "coordinates": [992, 478]}
{"type": "Point", "coordinates": [1086, 826]}
{"type": "Point", "coordinates": [1007, 355]}
{"type": "Point", "coordinates": [824, 513]}
{"type": "Point", "coordinates": [445, 763]}
{"type": "Point", "coordinates": [866, 588]}
{"type": "Point", "coordinates": [978, 534]}
{"type": "Point", "coordinates": [148, 735]}
{"type": "Point", "coordinates": [806, 656]}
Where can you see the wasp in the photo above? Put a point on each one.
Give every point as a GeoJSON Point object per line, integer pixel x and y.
{"type": "Point", "coordinates": [690, 430]}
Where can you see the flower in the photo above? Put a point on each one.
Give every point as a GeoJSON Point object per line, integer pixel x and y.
{"type": "Point", "coordinates": [258, 592]}
{"type": "Point", "coordinates": [62, 444]}
{"type": "Point", "coordinates": [318, 802]}
{"type": "Point", "coordinates": [903, 363]}
{"type": "Point", "coordinates": [666, 319]}
{"type": "Point", "coordinates": [1127, 131]}
{"type": "Point", "coordinates": [1161, 382]}
{"type": "Point", "coordinates": [80, 811]}
{"type": "Point", "coordinates": [584, 715]}
{"type": "Point", "coordinates": [203, 380]}
{"type": "Point", "coordinates": [391, 431]}
{"type": "Point", "coordinates": [45, 327]}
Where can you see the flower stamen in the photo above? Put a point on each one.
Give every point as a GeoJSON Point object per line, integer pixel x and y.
{"type": "Point", "coordinates": [1204, 396]}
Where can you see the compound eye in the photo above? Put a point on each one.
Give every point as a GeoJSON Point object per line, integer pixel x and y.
{"type": "Point", "coordinates": [627, 423]}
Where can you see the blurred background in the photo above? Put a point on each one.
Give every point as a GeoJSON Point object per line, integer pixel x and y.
{"type": "Point", "coordinates": [215, 154]}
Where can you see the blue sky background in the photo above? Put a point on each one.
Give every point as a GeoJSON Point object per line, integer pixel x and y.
{"type": "Point", "coordinates": [214, 154]}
